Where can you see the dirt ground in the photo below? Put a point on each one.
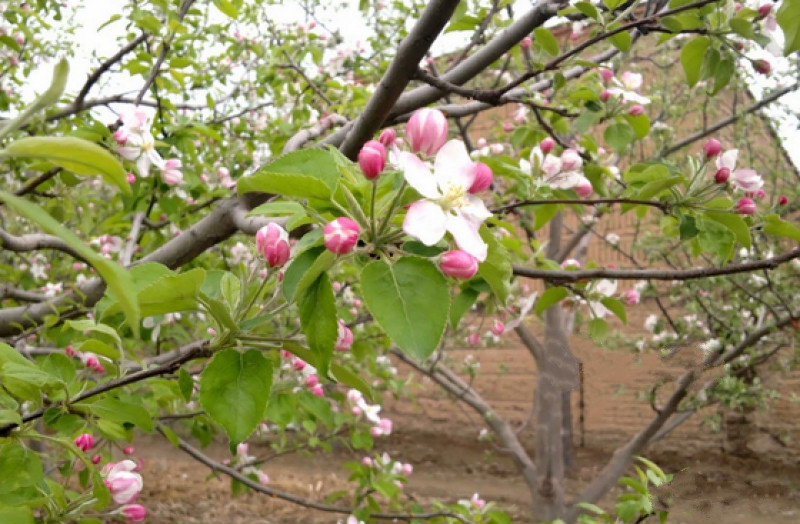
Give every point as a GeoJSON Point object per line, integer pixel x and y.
{"type": "Point", "coordinates": [712, 484]}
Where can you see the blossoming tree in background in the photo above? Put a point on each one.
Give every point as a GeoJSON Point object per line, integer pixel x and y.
{"type": "Point", "coordinates": [237, 246]}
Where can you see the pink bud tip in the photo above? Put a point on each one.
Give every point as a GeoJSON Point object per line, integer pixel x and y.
{"type": "Point", "coordinates": [712, 148]}
{"type": "Point", "coordinates": [746, 206]}
{"type": "Point", "coordinates": [312, 380]}
{"type": "Point", "coordinates": [764, 10]}
{"type": "Point", "coordinates": [636, 110]}
{"type": "Point", "coordinates": [317, 390]}
{"type": "Point", "coordinates": [134, 512]}
{"type": "Point", "coordinates": [426, 131]}
{"type": "Point", "coordinates": [526, 42]}
{"type": "Point", "coordinates": [584, 188]}
{"type": "Point", "coordinates": [97, 459]}
{"type": "Point", "coordinates": [547, 145]}
{"type": "Point", "coordinates": [341, 235]}
{"type": "Point", "coordinates": [129, 450]}
{"type": "Point", "coordinates": [605, 95]}
{"type": "Point", "coordinates": [372, 159]}
{"type": "Point", "coordinates": [473, 339]}
{"type": "Point", "coordinates": [498, 328]}
{"type": "Point", "coordinates": [366, 461]}
{"type": "Point", "coordinates": [344, 338]}
{"type": "Point", "coordinates": [388, 136]}
{"type": "Point", "coordinates": [508, 127]}
{"type": "Point", "coordinates": [762, 66]}
{"type": "Point", "coordinates": [131, 178]}
{"type": "Point", "coordinates": [483, 178]}
{"type": "Point", "coordinates": [272, 241]}
{"type": "Point", "coordinates": [84, 441]}
{"type": "Point", "coordinates": [606, 74]}
{"type": "Point", "coordinates": [760, 193]}
{"type": "Point", "coordinates": [631, 297]}
{"type": "Point", "coordinates": [783, 200]}
{"type": "Point", "coordinates": [722, 175]}
{"type": "Point", "coordinates": [458, 264]}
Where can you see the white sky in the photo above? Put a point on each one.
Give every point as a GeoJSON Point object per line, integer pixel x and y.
{"type": "Point", "coordinates": [93, 13]}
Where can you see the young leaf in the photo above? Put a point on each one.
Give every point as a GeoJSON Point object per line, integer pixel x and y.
{"type": "Point", "coordinates": [410, 300]}
{"type": "Point", "coordinates": [318, 319]}
{"type": "Point", "coordinates": [546, 40]}
{"type": "Point", "coordinates": [496, 269]}
{"type": "Point", "coordinates": [46, 99]}
{"type": "Point", "coordinates": [789, 20]}
{"type": "Point", "coordinates": [692, 56]}
{"type": "Point", "coordinates": [75, 154]}
{"type": "Point", "coordinates": [550, 298]}
{"type": "Point", "coordinates": [308, 173]}
{"type": "Point", "coordinates": [735, 223]}
{"type": "Point", "coordinates": [234, 389]}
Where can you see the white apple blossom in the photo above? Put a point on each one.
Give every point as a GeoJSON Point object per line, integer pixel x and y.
{"type": "Point", "coordinates": [447, 205]}
{"type": "Point", "coordinates": [744, 179]}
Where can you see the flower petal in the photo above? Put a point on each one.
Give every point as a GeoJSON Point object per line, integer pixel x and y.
{"type": "Point", "coordinates": [454, 166]}
{"type": "Point", "coordinates": [418, 175]}
{"type": "Point", "coordinates": [728, 159]}
{"type": "Point", "coordinates": [466, 236]}
{"type": "Point", "coordinates": [425, 221]}
{"type": "Point", "coordinates": [475, 211]}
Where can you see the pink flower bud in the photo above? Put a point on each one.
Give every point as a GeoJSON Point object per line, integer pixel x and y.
{"type": "Point", "coordinates": [97, 459]}
{"type": "Point", "coordinates": [129, 450]}
{"type": "Point", "coordinates": [354, 396]}
{"type": "Point", "coordinates": [121, 136]}
{"type": "Point", "coordinates": [388, 136]}
{"type": "Point", "coordinates": [341, 235]}
{"type": "Point", "coordinates": [272, 241]}
{"type": "Point", "coordinates": [482, 142]}
{"type": "Point", "coordinates": [636, 110]}
{"type": "Point", "coordinates": [366, 461]}
{"type": "Point", "coordinates": [134, 512]}
{"type": "Point", "coordinates": [312, 380]}
{"type": "Point", "coordinates": [508, 127]}
{"type": "Point", "coordinates": [473, 339]}
{"type": "Point", "coordinates": [722, 175]}
{"type": "Point", "coordinates": [764, 10]}
{"type": "Point", "coordinates": [746, 206]}
{"type": "Point", "coordinates": [299, 364]}
{"type": "Point", "coordinates": [458, 264]}
{"type": "Point", "coordinates": [407, 469]}
{"type": "Point", "coordinates": [344, 338]}
{"type": "Point", "coordinates": [605, 95]}
{"type": "Point", "coordinates": [123, 483]}
{"type": "Point", "coordinates": [759, 194]}
{"type": "Point", "coordinates": [84, 441]}
{"type": "Point", "coordinates": [69, 351]}
{"type": "Point", "coordinates": [606, 74]}
{"type": "Point", "coordinates": [242, 448]}
{"type": "Point", "coordinates": [570, 263]}
{"type": "Point", "coordinates": [131, 178]}
{"type": "Point", "coordinates": [372, 159]}
{"type": "Point", "coordinates": [171, 175]}
{"type": "Point", "coordinates": [483, 178]}
{"type": "Point", "coordinates": [386, 426]}
{"type": "Point", "coordinates": [571, 160]}
{"type": "Point", "coordinates": [317, 390]}
{"type": "Point", "coordinates": [375, 432]}
{"type": "Point", "coordinates": [584, 188]}
{"type": "Point", "coordinates": [762, 66]}
{"type": "Point", "coordinates": [526, 42]}
{"type": "Point", "coordinates": [712, 148]}
{"type": "Point", "coordinates": [783, 200]}
{"type": "Point", "coordinates": [426, 131]}
{"type": "Point", "coordinates": [498, 328]}
{"type": "Point", "coordinates": [631, 297]}
{"type": "Point", "coordinates": [547, 145]}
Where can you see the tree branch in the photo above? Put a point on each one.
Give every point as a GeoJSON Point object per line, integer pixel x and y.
{"type": "Point", "coordinates": [77, 105]}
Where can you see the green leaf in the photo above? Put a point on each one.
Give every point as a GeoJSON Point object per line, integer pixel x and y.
{"type": "Point", "coordinates": [92, 326]}
{"type": "Point", "coordinates": [227, 8]}
{"type": "Point", "coordinates": [117, 279]}
{"type": "Point", "coordinates": [168, 294]}
{"type": "Point", "coordinates": [308, 173]}
{"type": "Point", "coordinates": [621, 41]}
{"type": "Point", "coordinates": [185, 384]}
{"type": "Point", "coordinates": [116, 410]}
{"type": "Point", "coordinates": [654, 188]}
{"type": "Point", "coordinates": [350, 379]}
{"type": "Point", "coordinates": [546, 40]}
{"type": "Point", "coordinates": [410, 301]}
{"type": "Point", "coordinates": [615, 306]}
{"type": "Point", "coordinates": [19, 467]}
{"type": "Point", "coordinates": [776, 227]}
{"type": "Point", "coordinates": [318, 319]}
{"type": "Point", "coordinates": [280, 208]}
{"type": "Point", "coordinates": [461, 305]}
{"type": "Point", "coordinates": [543, 215]}
{"type": "Point", "coordinates": [735, 223]}
{"type": "Point", "coordinates": [692, 58]}
{"type": "Point", "coordinates": [722, 75]}
{"type": "Point", "coordinates": [640, 125]}
{"type": "Point", "coordinates": [550, 298]}
{"type": "Point", "coordinates": [46, 99]}
{"type": "Point", "coordinates": [788, 17]}
{"type": "Point", "coordinates": [619, 136]}
{"type": "Point", "coordinates": [76, 154]}
{"type": "Point", "coordinates": [234, 389]}
{"type": "Point", "coordinates": [598, 329]}
{"type": "Point", "coordinates": [16, 514]}
{"type": "Point", "coordinates": [496, 269]}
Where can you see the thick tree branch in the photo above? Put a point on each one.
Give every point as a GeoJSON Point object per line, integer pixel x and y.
{"type": "Point", "coordinates": [35, 242]}
{"type": "Point", "coordinates": [400, 72]}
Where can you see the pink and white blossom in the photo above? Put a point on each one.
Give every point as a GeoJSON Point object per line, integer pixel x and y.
{"type": "Point", "coordinates": [341, 235]}
{"type": "Point", "coordinates": [123, 482]}
{"type": "Point", "coordinates": [746, 180]}
{"type": "Point", "coordinates": [447, 205]}
{"type": "Point", "coordinates": [426, 131]}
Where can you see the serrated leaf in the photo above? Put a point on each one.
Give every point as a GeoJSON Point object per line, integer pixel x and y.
{"type": "Point", "coordinates": [692, 58]}
{"type": "Point", "coordinates": [410, 301]}
{"type": "Point", "coordinates": [496, 269]}
{"type": "Point", "coordinates": [308, 173]}
{"type": "Point", "coordinates": [788, 17]}
{"type": "Point", "coordinates": [546, 40]}
{"type": "Point", "coordinates": [615, 306]}
{"type": "Point", "coordinates": [234, 390]}
{"type": "Point", "coordinates": [776, 227]}
{"type": "Point", "coordinates": [75, 154]}
{"type": "Point", "coordinates": [461, 304]}
{"type": "Point", "coordinates": [550, 298]}
{"type": "Point", "coordinates": [734, 223]}
{"type": "Point", "coordinates": [318, 319]}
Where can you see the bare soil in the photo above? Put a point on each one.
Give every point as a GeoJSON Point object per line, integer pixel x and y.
{"type": "Point", "coordinates": [757, 481]}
